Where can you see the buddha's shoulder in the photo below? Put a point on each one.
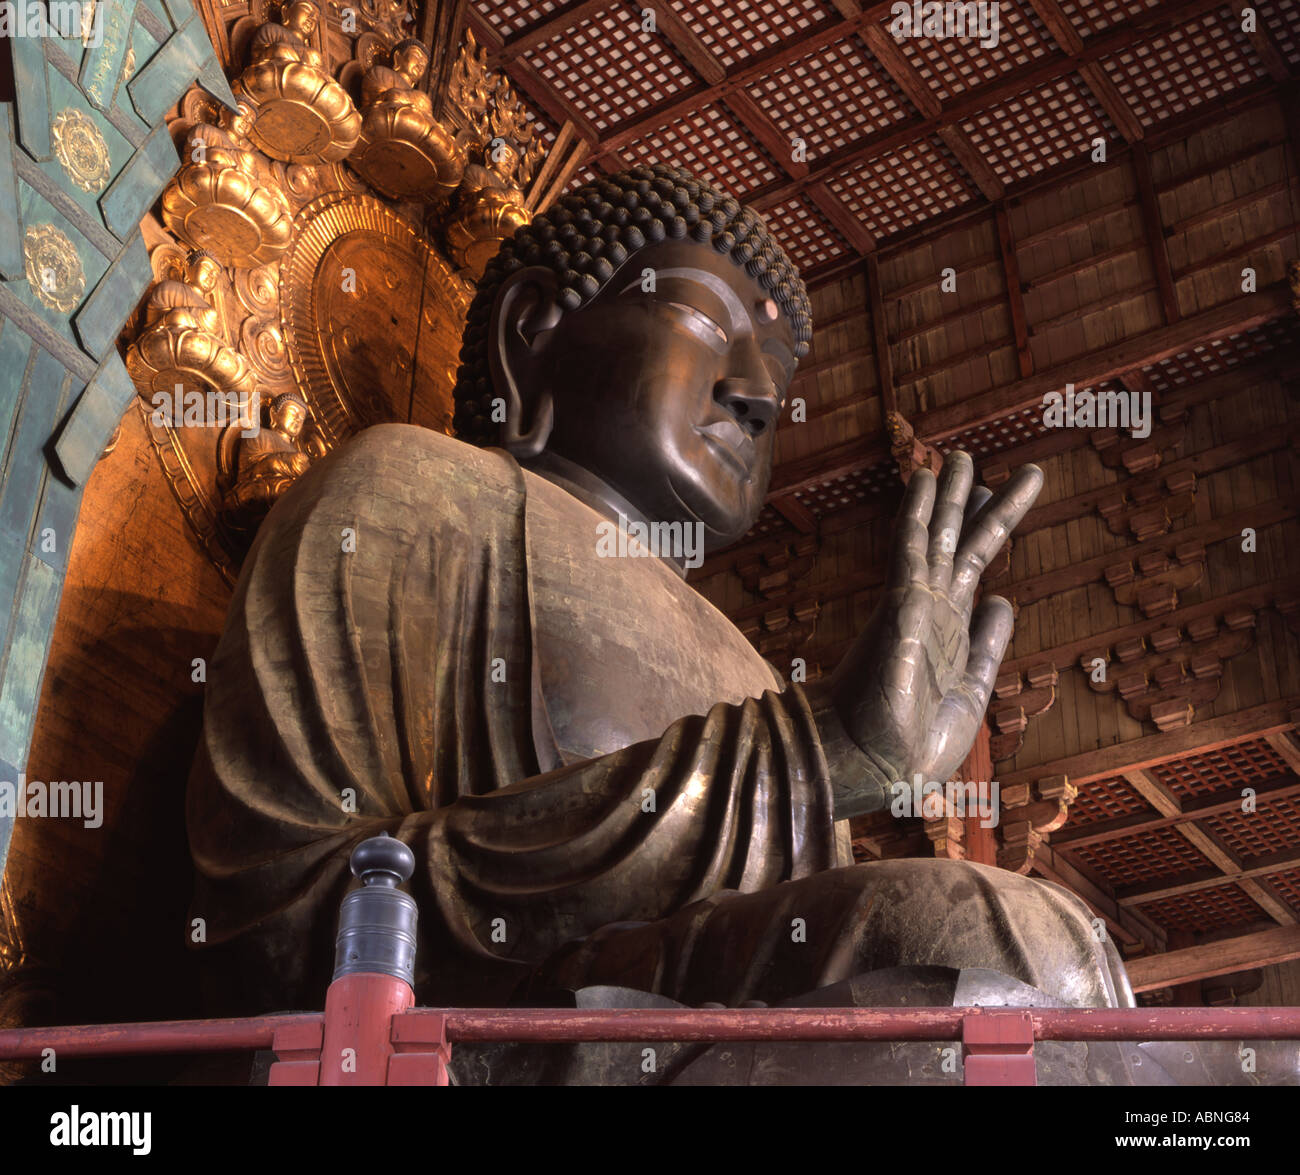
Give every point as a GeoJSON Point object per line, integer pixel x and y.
{"type": "Point", "coordinates": [420, 460]}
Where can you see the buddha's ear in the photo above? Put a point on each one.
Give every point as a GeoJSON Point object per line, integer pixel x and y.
{"type": "Point", "coordinates": [524, 313]}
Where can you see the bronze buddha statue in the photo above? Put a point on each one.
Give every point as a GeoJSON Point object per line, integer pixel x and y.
{"type": "Point", "coordinates": [602, 781]}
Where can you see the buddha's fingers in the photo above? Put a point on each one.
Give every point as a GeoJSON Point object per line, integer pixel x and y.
{"type": "Point", "coordinates": [984, 536]}
{"type": "Point", "coordinates": [955, 481]}
{"type": "Point", "coordinates": [991, 629]}
{"type": "Point", "coordinates": [980, 497]}
{"type": "Point", "coordinates": [907, 562]}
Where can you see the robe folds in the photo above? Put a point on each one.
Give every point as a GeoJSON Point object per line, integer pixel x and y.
{"type": "Point", "coordinates": [601, 780]}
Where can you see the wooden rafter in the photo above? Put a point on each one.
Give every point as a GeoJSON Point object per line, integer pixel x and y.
{"type": "Point", "coordinates": [1214, 958]}
{"type": "Point", "coordinates": [1155, 233]}
{"type": "Point", "coordinates": [1094, 76]}
{"type": "Point", "coordinates": [880, 341]}
{"type": "Point", "coordinates": [1091, 368]}
{"type": "Point", "coordinates": [1195, 880]}
{"type": "Point", "coordinates": [1174, 129]}
{"type": "Point", "coordinates": [1122, 36]}
{"type": "Point", "coordinates": [1220, 803]}
{"type": "Point", "coordinates": [553, 24]}
{"type": "Point", "coordinates": [1206, 735]}
{"type": "Point", "coordinates": [1015, 295]}
{"type": "Point", "coordinates": [1163, 800]}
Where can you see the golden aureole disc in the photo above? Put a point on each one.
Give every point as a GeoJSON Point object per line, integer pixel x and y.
{"type": "Point", "coordinates": [372, 317]}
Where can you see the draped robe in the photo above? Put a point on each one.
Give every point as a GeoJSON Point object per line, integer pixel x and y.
{"type": "Point", "coordinates": [600, 778]}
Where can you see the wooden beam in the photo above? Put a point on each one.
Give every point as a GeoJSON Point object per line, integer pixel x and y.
{"type": "Point", "coordinates": [1043, 447]}
{"type": "Point", "coordinates": [759, 123]}
{"type": "Point", "coordinates": [848, 225]}
{"type": "Point", "coordinates": [1094, 76]}
{"type": "Point", "coordinates": [880, 341]}
{"type": "Point", "coordinates": [894, 62]}
{"type": "Point", "coordinates": [565, 17]}
{"type": "Point", "coordinates": [1015, 295]}
{"type": "Point", "coordinates": [1173, 129]}
{"type": "Point", "coordinates": [1215, 851]}
{"type": "Point", "coordinates": [1261, 893]}
{"type": "Point", "coordinates": [1226, 528]}
{"type": "Point", "coordinates": [826, 465]}
{"type": "Point", "coordinates": [1255, 597]}
{"type": "Point", "coordinates": [1207, 461]}
{"type": "Point", "coordinates": [1285, 746]}
{"type": "Point", "coordinates": [795, 513]}
{"type": "Point", "coordinates": [756, 120]}
{"type": "Point", "coordinates": [683, 38]}
{"type": "Point", "coordinates": [1111, 101]}
{"type": "Point", "coordinates": [1231, 317]}
{"type": "Point", "coordinates": [1155, 233]}
{"type": "Point", "coordinates": [973, 162]}
{"type": "Point", "coordinates": [1210, 734]}
{"type": "Point", "coordinates": [1269, 51]}
{"type": "Point", "coordinates": [1220, 803]}
{"type": "Point", "coordinates": [1154, 792]}
{"type": "Point", "coordinates": [1195, 880]}
{"type": "Point", "coordinates": [1262, 949]}
{"type": "Point", "coordinates": [754, 67]}
{"type": "Point", "coordinates": [1152, 23]}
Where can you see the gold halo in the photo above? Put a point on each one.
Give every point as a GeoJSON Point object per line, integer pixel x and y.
{"type": "Point", "coordinates": [356, 368]}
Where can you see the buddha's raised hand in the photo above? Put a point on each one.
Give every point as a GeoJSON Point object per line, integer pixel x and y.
{"type": "Point", "coordinates": [912, 690]}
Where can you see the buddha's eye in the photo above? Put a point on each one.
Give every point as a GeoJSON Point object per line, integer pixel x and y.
{"type": "Point", "coordinates": [701, 321]}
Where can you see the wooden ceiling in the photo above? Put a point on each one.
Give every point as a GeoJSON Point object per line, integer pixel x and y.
{"type": "Point", "coordinates": [898, 134]}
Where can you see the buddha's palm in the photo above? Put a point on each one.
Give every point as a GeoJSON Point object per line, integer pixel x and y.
{"type": "Point", "coordinates": [913, 689]}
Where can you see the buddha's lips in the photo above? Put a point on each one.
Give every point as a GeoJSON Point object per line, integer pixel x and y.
{"type": "Point", "coordinates": [729, 437]}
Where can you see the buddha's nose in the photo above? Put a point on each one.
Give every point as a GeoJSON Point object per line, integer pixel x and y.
{"type": "Point", "coordinates": [753, 403]}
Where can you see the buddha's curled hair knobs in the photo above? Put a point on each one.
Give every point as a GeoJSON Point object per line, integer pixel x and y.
{"type": "Point", "coordinates": [591, 232]}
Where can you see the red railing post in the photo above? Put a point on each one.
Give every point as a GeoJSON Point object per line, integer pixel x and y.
{"type": "Point", "coordinates": [998, 1047]}
{"type": "Point", "coordinates": [374, 968]}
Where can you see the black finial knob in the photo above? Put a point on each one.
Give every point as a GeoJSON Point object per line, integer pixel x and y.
{"type": "Point", "coordinates": [377, 923]}
{"type": "Point", "coordinates": [383, 860]}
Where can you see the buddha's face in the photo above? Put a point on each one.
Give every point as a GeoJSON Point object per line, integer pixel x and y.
{"type": "Point", "coordinates": [288, 417]}
{"type": "Point", "coordinates": [301, 17]}
{"type": "Point", "coordinates": [204, 272]}
{"type": "Point", "coordinates": [410, 62]}
{"type": "Point", "coordinates": [671, 396]}
{"type": "Point", "coordinates": [501, 156]}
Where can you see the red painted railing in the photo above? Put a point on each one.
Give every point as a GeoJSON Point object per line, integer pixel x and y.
{"type": "Point", "coordinates": [371, 1034]}
{"type": "Point", "coordinates": [412, 1047]}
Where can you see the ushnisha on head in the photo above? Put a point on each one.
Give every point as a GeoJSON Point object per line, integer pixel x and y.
{"type": "Point", "coordinates": [643, 331]}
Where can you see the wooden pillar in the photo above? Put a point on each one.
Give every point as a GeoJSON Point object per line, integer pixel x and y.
{"type": "Point", "coordinates": [980, 842]}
